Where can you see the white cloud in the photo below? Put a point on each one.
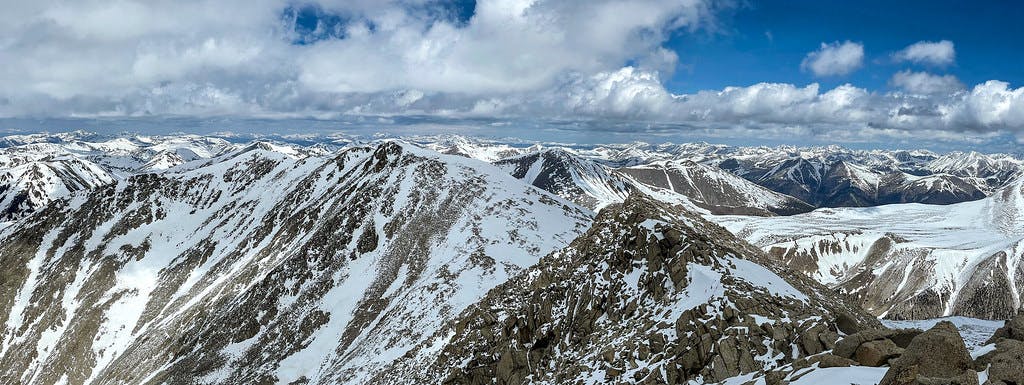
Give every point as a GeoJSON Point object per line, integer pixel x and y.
{"type": "Point", "coordinates": [992, 104]}
{"type": "Point", "coordinates": [926, 83]}
{"type": "Point", "coordinates": [928, 52]}
{"type": "Point", "coordinates": [514, 58]}
{"type": "Point", "coordinates": [103, 52]}
{"type": "Point", "coordinates": [626, 92]}
{"type": "Point", "coordinates": [834, 59]}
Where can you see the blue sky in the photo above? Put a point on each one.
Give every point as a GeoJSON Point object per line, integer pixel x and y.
{"type": "Point", "coordinates": [938, 74]}
{"type": "Point", "coordinates": [765, 41]}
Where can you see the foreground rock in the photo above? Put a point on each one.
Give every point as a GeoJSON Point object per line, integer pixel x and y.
{"type": "Point", "coordinates": [647, 295]}
{"type": "Point", "coordinates": [937, 356]}
{"type": "Point", "coordinates": [1005, 364]}
{"type": "Point", "coordinates": [877, 353]}
{"type": "Point", "coordinates": [875, 347]}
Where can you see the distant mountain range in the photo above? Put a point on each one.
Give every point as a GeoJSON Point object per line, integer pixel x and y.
{"type": "Point", "coordinates": [190, 259]}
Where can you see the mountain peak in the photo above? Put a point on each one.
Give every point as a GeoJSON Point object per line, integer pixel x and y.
{"type": "Point", "coordinates": [645, 278]}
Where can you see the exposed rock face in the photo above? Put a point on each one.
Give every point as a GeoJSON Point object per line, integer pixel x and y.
{"type": "Point", "coordinates": [1005, 364]}
{"type": "Point", "coordinates": [646, 296]}
{"type": "Point", "coordinates": [831, 361]}
{"type": "Point", "coordinates": [888, 342]}
{"type": "Point", "coordinates": [714, 189]}
{"type": "Point", "coordinates": [847, 323]}
{"type": "Point", "coordinates": [564, 174]}
{"type": "Point", "coordinates": [877, 353]}
{"type": "Point", "coordinates": [937, 356]}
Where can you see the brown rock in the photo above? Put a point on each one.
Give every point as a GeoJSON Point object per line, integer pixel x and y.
{"type": "Point", "coordinates": [810, 340]}
{"type": "Point", "coordinates": [937, 356]}
{"type": "Point", "coordinates": [902, 337]}
{"type": "Point", "coordinates": [847, 346]}
{"type": "Point", "coordinates": [1006, 363]}
{"type": "Point", "coordinates": [877, 353]}
{"type": "Point", "coordinates": [847, 324]}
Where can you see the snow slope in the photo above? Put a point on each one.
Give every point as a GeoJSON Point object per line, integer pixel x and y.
{"type": "Point", "coordinates": [908, 260]}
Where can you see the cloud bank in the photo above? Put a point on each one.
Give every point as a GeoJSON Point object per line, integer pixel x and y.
{"type": "Point", "coordinates": [926, 83]}
{"type": "Point", "coordinates": [573, 60]}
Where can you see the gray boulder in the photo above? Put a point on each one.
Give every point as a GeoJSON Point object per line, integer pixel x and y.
{"type": "Point", "coordinates": [937, 356]}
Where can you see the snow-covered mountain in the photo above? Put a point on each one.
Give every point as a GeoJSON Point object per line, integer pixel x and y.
{"type": "Point", "coordinates": [260, 265]}
{"type": "Point", "coordinates": [40, 168]}
{"type": "Point", "coordinates": [31, 184]}
{"type": "Point", "coordinates": [820, 176]}
{"type": "Point", "coordinates": [829, 176]}
{"type": "Point", "coordinates": [650, 294]}
{"type": "Point", "coordinates": [714, 189]}
{"type": "Point", "coordinates": [562, 173]}
{"type": "Point", "coordinates": [908, 260]}
{"type": "Point", "coordinates": [487, 151]}
{"type": "Point", "coordinates": [205, 261]}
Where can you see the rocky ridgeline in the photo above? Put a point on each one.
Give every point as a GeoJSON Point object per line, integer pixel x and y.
{"type": "Point", "coordinates": [648, 296]}
{"type": "Point", "coordinates": [258, 268]}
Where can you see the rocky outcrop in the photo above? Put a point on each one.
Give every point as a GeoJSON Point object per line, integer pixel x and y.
{"type": "Point", "coordinates": [850, 345]}
{"type": "Point", "coordinates": [1004, 365]}
{"type": "Point", "coordinates": [937, 356]}
{"type": "Point", "coordinates": [877, 353]}
{"type": "Point", "coordinates": [648, 295]}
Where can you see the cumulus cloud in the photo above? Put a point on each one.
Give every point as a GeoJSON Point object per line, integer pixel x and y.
{"type": "Point", "coordinates": [925, 83]}
{"type": "Point", "coordinates": [153, 57]}
{"type": "Point", "coordinates": [990, 104]}
{"type": "Point", "coordinates": [834, 59]}
{"type": "Point", "coordinates": [507, 58]}
{"type": "Point", "coordinates": [928, 52]}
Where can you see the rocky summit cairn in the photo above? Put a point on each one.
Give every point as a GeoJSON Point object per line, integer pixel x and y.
{"type": "Point", "coordinates": [937, 356]}
{"type": "Point", "coordinates": [1004, 365]}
